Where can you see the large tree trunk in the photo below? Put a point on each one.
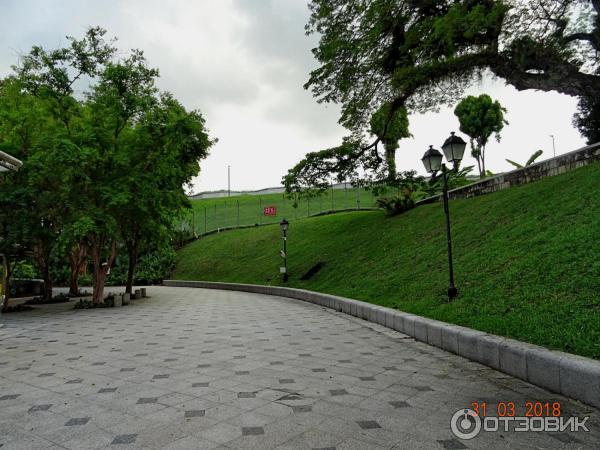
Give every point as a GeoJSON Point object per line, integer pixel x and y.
{"type": "Point", "coordinates": [483, 171]}
{"type": "Point", "coordinates": [74, 282]}
{"type": "Point", "coordinates": [6, 271]}
{"type": "Point", "coordinates": [101, 267]}
{"type": "Point", "coordinates": [390, 159]}
{"type": "Point", "coordinates": [132, 250]}
{"type": "Point", "coordinates": [42, 258]}
{"type": "Point", "coordinates": [77, 258]}
{"type": "Point", "coordinates": [47, 284]}
{"type": "Point", "coordinates": [130, 273]}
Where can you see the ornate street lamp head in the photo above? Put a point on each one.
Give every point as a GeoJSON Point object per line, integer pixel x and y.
{"type": "Point", "coordinates": [432, 160]}
{"type": "Point", "coordinates": [284, 224]}
{"type": "Point", "coordinates": [454, 149]}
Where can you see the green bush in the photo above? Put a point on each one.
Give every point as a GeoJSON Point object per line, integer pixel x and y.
{"type": "Point", "coordinates": [396, 205]}
{"type": "Point", "coordinates": [85, 280]}
{"type": "Point", "coordinates": [156, 266]}
{"type": "Point", "coordinates": [24, 269]}
{"type": "Point", "coordinates": [152, 267]}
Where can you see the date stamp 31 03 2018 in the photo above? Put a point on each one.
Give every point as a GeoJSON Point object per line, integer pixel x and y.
{"type": "Point", "coordinates": [532, 416]}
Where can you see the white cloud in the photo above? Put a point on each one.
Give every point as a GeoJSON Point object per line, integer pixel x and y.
{"type": "Point", "coordinates": [243, 64]}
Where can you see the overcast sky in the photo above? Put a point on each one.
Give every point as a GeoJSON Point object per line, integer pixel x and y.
{"type": "Point", "coordinates": [243, 64]}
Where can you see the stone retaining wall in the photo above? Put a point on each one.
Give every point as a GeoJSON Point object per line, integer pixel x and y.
{"type": "Point", "coordinates": [555, 166]}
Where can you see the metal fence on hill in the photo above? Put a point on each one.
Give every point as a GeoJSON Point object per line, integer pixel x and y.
{"type": "Point", "coordinates": [209, 215]}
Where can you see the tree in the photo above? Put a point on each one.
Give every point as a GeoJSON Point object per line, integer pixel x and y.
{"type": "Point", "coordinates": [40, 120]}
{"type": "Point", "coordinates": [354, 158]}
{"type": "Point", "coordinates": [163, 156]}
{"type": "Point", "coordinates": [28, 131]}
{"type": "Point", "coordinates": [125, 89]}
{"type": "Point", "coordinates": [420, 55]}
{"type": "Point", "coordinates": [587, 118]}
{"type": "Point", "coordinates": [479, 118]}
{"type": "Point", "coordinates": [101, 171]}
{"type": "Point", "coordinates": [146, 146]}
{"type": "Point", "coordinates": [14, 236]}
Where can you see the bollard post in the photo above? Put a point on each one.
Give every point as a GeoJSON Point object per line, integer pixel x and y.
{"type": "Point", "coordinates": [332, 207]}
{"type": "Point", "coordinates": [345, 195]}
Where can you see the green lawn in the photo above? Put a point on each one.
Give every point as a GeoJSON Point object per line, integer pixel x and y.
{"type": "Point", "coordinates": [527, 260]}
{"type": "Point", "coordinates": [210, 214]}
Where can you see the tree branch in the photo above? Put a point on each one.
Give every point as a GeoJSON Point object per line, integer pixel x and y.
{"type": "Point", "coordinates": [563, 77]}
{"type": "Point", "coordinates": [589, 37]}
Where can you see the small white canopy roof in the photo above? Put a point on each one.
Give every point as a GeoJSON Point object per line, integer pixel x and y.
{"type": "Point", "coordinates": [8, 162]}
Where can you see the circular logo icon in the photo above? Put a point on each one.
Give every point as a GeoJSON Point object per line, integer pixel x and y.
{"type": "Point", "coordinates": [465, 424]}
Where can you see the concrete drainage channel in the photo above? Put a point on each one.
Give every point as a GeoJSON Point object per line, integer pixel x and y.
{"type": "Point", "coordinates": [570, 375]}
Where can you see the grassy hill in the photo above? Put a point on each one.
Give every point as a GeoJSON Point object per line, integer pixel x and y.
{"type": "Point", "coordinates": [527, 260]}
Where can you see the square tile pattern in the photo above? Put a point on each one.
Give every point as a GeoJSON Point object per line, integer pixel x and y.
{"type": "Point", "coordinates": [77, 421]}
{"type": "Point", "coordinates": [194, 368]}
{"type": "Point", "coordinates": [124, 439]}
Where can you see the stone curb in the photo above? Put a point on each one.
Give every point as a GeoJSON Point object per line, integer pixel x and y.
{"type": "Point", "coordinates": [570, 375]}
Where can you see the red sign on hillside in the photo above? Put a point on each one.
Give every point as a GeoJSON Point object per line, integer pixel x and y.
{"type": "Point", "coordinates": [270, 210]}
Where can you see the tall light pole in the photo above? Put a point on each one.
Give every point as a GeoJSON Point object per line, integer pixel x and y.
{"type": "Point", "coordinates": [553, 145]}
{"type": "Point", "coordinates": [284, 225]}
{"type": "Point", "coordinates": [454, 148]}
{"type": "Point", "coordinates": [228, 181]}
{"type": "Point", "coordinates": [3, 282]}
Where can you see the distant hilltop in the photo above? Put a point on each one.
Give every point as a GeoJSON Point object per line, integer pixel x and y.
{"type": "Point", "coordinates": [269, 190]}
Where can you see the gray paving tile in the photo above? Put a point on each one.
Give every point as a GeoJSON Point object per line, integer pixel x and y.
{"type": "Point", "coordinates": [400, 404]}
{"type": "Point", "coordinates": [452, 444]}
{"type": "Point", "coordinates": [124, 439]}
{"type": "Point", "coordinates": [36, 408]}
{"type": "Point", "coordinates": [246, 395]}
{"type": "Point", "coordinates": [77, 421]}
{"type": "Point", "coordinates": [368, 424]}
{"type": "Point", "coordinates": [107, 390]}
{"type": "Point", "coordinates": [336, 392]}
{"type": "Point", "coordinates": [195, 413]}
{"type": "Point", "coordinates": [252, 431]}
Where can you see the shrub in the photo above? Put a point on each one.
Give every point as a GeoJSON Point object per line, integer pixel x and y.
{"type": "Point", "coordinates": [396, 205]}
{"type": "Point", "coordinates": [152, 267]}
{"type": "Point", "coordinates": [156, 266]}
{"type": "Point", "coordinates": [24, 270]}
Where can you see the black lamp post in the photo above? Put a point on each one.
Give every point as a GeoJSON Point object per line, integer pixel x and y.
{"type": "Point", "coordinates": [284, 224]}
{"type": "Point", "coordinates": [454, 149]}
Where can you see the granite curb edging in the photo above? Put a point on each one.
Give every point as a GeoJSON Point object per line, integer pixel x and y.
{"type": "Point", "coordinates": [573, 376]}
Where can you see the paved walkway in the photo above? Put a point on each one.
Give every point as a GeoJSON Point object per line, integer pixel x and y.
{"type": "Point", "coordinates": [192, 368]}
